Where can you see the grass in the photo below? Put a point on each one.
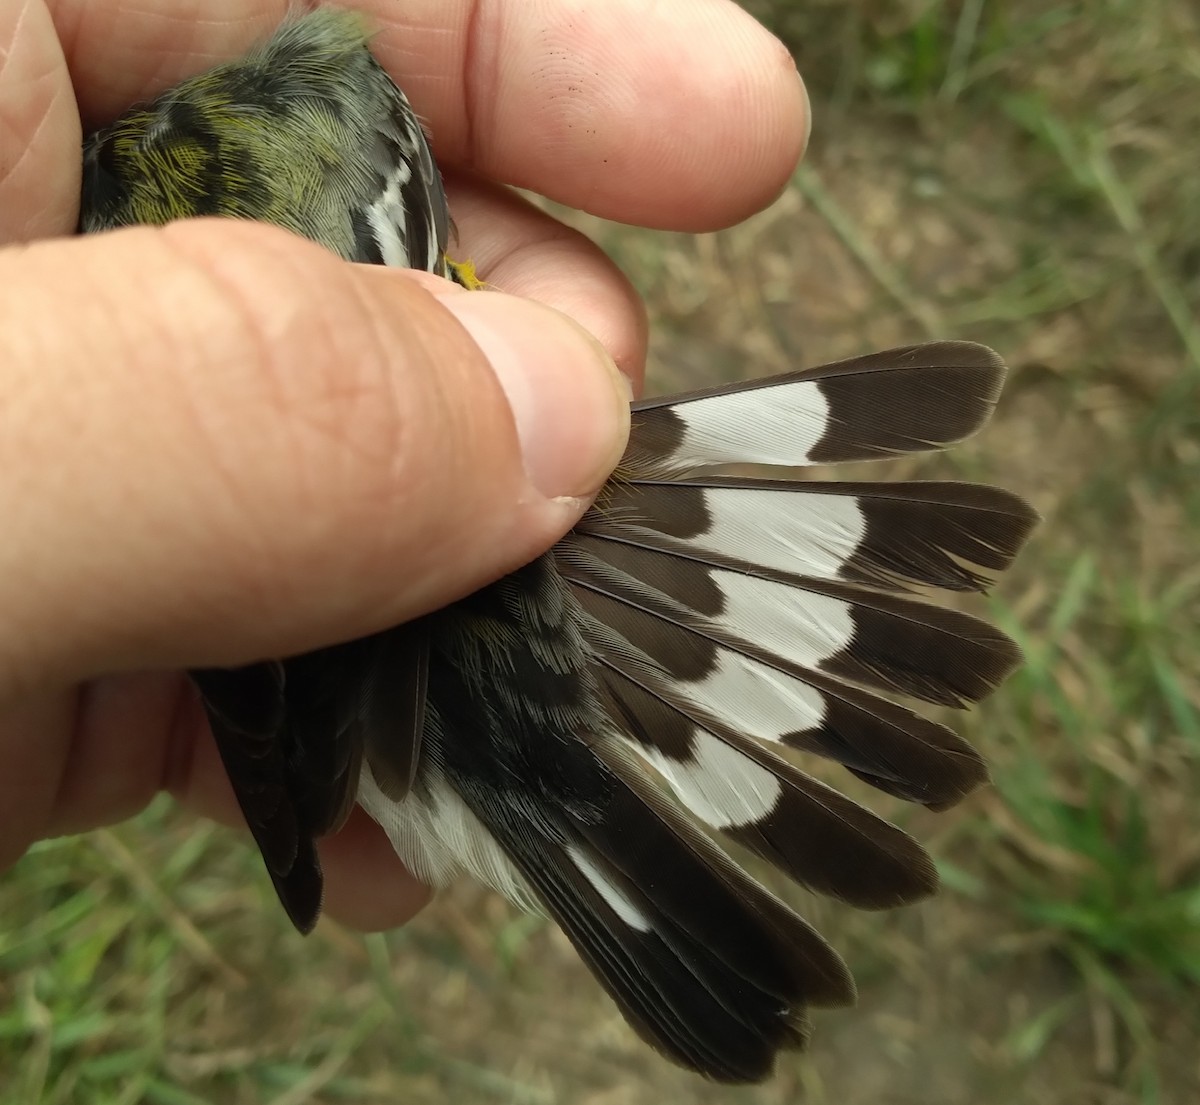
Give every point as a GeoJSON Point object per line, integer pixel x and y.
{"type": "Point", "coordinates": [1019, 173]}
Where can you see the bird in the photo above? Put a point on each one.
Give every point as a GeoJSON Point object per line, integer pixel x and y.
{"type": "Point", "coordinates": [588, 734]}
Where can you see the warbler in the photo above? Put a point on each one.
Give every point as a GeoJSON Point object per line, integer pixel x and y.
{"type": "Point", "coordinates": [698, 621]}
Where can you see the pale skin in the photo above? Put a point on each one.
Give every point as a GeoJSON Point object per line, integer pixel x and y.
{"type": "Point", "coordinates": [314, 450]}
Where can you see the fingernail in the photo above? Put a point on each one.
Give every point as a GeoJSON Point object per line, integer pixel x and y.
{"type": "Point", "coordinates": [569, 401]}
{"type": "Point", "coordinates": [808, 118]}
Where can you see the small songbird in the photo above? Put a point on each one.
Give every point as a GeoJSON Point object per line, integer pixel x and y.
{"type": "Point", "coordinates": [581, 733]}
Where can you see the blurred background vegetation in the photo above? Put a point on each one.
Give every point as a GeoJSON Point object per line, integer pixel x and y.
{"type": "Point", "coordinates": [1021, 173]}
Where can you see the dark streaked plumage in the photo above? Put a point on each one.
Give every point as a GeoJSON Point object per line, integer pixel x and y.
{"type": "Point", "coordinates": [700, 621]}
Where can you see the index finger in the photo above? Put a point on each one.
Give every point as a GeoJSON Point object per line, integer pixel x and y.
{"type": "Point", "coordinates": [679, 114]}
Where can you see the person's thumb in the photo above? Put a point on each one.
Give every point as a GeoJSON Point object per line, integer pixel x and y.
{"type": "Point", "coordinates": [219, 443]}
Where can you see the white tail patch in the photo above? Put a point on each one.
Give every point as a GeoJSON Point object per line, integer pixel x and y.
{"type": "Point", "coordinates": [618, 901]}
{"type": "Point", "coordinates": [779, 424]}
{"type": "Point", "coordinates": [758, 700]}
{"type": "Point", "coordinates": [722, 787]}
{"type": "Point", "coordinates": [800, 626]}
{"type": "Point", "coordinates": [790, 531]}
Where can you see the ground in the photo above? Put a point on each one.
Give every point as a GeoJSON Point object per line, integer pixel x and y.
{"type": "Point", "coordinates": [1022, 174]}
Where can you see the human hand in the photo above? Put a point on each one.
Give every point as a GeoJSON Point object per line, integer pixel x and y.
{"type": "Point", "coordinates": [220, 443]}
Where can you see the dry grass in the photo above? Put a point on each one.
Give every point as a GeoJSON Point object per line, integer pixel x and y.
{"type": "Point", "coordinates": [1019, 173]}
